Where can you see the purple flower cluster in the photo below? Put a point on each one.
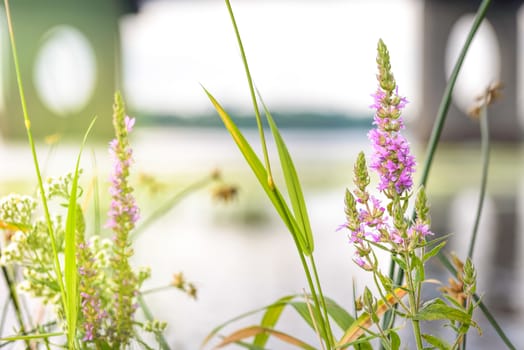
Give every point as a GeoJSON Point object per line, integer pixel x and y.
{"type": "Point", "coordinates": [123, 212]}
{"type": "Point", "coordinates": [392, 158]}
{"type": "Point", "coordinates": [372, 222]}
{"type": "Point", "coordinates": [123, 215]}
{"type": "Point", "coordinates": [91, 304]}
{"type": "Point", "coordinates": [368, 220]}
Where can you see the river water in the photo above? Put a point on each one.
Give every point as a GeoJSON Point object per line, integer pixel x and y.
{"type": "Point", "coordinates": [239, 255]}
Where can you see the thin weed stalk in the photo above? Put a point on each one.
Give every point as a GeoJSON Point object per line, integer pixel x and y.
{"type": "Point", "coordinates": [27, 123]}
{"type": "Point", "coordinates": [311, 276]}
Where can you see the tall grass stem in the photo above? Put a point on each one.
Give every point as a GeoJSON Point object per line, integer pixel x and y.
{"type": "Point", "coordinates": [252, 92]}
{"type": "Point", "coordinates": [485, 150]}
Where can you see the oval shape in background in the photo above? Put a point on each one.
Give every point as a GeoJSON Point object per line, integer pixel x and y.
{"type": "Point", "coordinates": [481, 66]}
{"type": "Point", "coordinates": [65, 70]}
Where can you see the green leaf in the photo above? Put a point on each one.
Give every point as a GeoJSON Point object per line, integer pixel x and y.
{"type": "Point", "coordinates": [342, 318]}
{"type": "Point", "coordinates": [437, 309]}
{"type": "Point", "coordinates": [70, 269]}
{"type": "Point", "coordinates": [244, 315]}
{"type": "Point", "coordinates": [418, 266]}
{"type": "Point", "coordinates": [434, 251]}
{"type": "Point", "coordinates": [261, 174]}
{"type": "Point", "coordinates": [395, 340]}
{"type": "Point", "coordinates": [386, 282]}
{"type": "Point", "coordinates": [292, 183]}
{"type": "Point", "coordinates": [31, 336]}
{"type": "Point", "coordinates": [270, 319]}
{"type": "Point", "coordinates": [436, 342]}
{"type": "Point", "coordinates": [302, 309]}
{"type": "Point", "coordinates": [399, 262]}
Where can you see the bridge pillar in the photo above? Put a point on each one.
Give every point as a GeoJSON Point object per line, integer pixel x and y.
{"type": "Point", "coordinates": [439, 18]}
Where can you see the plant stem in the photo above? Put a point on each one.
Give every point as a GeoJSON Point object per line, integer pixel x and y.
{"type": "Point", "coordinates": [13, 295]}
{"type": "Point", "coordinates": [252, 92]}
{"type": "Point", "coordinates": [159, 336]}
{"type": "Point", "coordinates": [413, 305]}
{"type": "Point", "coordinates": [27, 123]}
{"type": "Point", "coordinates": [322, 299]}
{"type": "Point", "coordinates": [485, 148]}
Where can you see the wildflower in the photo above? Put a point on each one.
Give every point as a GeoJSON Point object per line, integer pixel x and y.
{"type": "Point", "coordinates": [90, 299]}
{"type": "Point", "coordinates": [392, 158]}
{"type": "Point", "coordinates": [123, 215]}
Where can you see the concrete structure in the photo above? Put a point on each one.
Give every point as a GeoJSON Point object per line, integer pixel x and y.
{"type": "Point", "coordinates": [439, 18]}
{"type": "Point", "coordinates": [78, 43]}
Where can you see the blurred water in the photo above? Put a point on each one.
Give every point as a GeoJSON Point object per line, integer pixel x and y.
{"type": "Point", "coordinates": [239, 255]}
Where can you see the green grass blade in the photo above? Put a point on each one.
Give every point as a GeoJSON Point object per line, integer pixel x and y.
{"type": "Point", "coordinates": [341, 317]}
{"type": "Point", "coordinates": [292, 183]}
{"type": "Point", "coordinates": [485, 147]}
{"type": "Point", "coordinates": [31, 336]}
{"type": "Point", "coordinates": [303, 310]}
{"type": "Point", "coordinates": [270, 319]}
{"type": "Point", "coordinates": [96, 199]}
{"type": "Point", "coordinates": [70, 268]}
{"type": "Point", "coordinates": [260, 172]}
{"type": "Point", "coordinates": [244, 315]}
{"type": "Point", "coordinates": [255, 330]}
{"type": "Point", "coordinates": [446, 98]}
{"type": "Point", "coordinates": [252, 92]}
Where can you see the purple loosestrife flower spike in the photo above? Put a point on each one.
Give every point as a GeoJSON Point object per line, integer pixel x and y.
{"type": "Point", "coordinates": [392, 158]}
{"type": "Point", "coordinates": [123, 215]}
{"type": "Point", "coordinates": [93, 314]}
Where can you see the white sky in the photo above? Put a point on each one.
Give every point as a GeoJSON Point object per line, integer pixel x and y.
{"type": "Point", "coordinates": [306, 55]}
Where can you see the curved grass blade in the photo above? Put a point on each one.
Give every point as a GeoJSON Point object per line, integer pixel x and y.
{"type": "Point", "coordinates": [255, 330]}
{"type": "Point", "coordinates": [244, 315]}
{"type": "Point", "coordinates": [252, 93]}
{"type": "Point", "coordinates": [260, 172]}
{"type": "Point", "coordinates": [270, 319]}
{"type": "Point", "coordinates": [31, 336]}
{"type": "Point", "coordinates": [70, 268]}
{"type": "Point", "coordinates": [341, 317]}
{"type": "Point", "coordinates": [292, 183]}
{"type": "Point", "coordinates": [364, 321]}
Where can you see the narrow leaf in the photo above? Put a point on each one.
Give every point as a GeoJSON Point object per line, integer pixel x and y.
{"type": "Point", "coordinates": [434, 251]}
{"type": "Point", "coordinates": [436, 341]}
{"type": "Point", "coordinates": [437, 309]}
{"type": "Point", "coordinates": [254, 330]}
{"type": "Point", "coordinates": [31, 336]}
{"type": "Point", "coordinates": [395, 341]}
{"type": "Point", "coordinates": [244, 315]}
{"type": "Point", "coordinates": [302, 309]}
{"type": "Point", "coordinates": [420, 274]}
{"type": "Point", "coordinates": [292, 183]}
{"type": "Point", "coordinates": [342, 318]}
{"type": "Point", "coordinates": [270, 319]}
{"type": "Point", "coordinates": [70, 269]}
{"type": "Point", "coordinates": [260, 172]}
